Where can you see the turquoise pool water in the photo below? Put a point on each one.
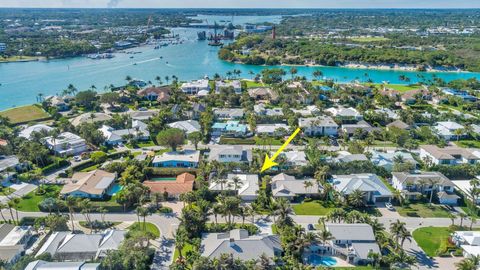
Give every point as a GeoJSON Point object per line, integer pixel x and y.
{"type": "Point", "coordinates": [115, 189]}
{"type": "Point", "coordinates": [317, 260]}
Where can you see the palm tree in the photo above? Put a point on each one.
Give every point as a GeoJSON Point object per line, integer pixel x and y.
{"type": "Point", "coordinates": [236, 180]}
{"type": "Point", "coordinates": [324, 236]}
{"type": "Point", "coordinates": [405, 235]}
{"type": "Point", "coordinates": [307, 185]}
{"type": "Point", "coordinates": [217, 210]}
{"type": "Point", "coordinates": [398, 230]}
{"type": "Point", "coordinates": [3, 206]}
{"type": "Point", "coordinates": [143, 212]}
{"type": "Point", "coordinates": [473, 220]}
{"type": "Point", "coordinates": [462, 217]}
{"type": "Point", "coordinates": [374, 257]}
{"type": "Point", "coordinates": [356, 198]}
{"type": "Point", "coordinates": [180, 241]}
{"type": "Point", "coordinates": [433, 184]}
{"type": "Point", "coordinates": [72, 203]}
{"type": "Point", "coordinates": [466, 264]}
{"type": "Point", "coordinates": [284, 211]}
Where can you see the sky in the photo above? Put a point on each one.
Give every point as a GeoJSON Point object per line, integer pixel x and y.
{"type": "Point", "coordinates": [241, 3]}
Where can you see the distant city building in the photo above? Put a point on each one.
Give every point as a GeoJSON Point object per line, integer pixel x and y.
{"type": "Point", "coordinates": [3, 47]}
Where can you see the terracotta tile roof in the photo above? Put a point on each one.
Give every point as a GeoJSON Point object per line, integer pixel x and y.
{"type": "Point", "coordinates": [3, 142]}
{"type": "Point", "coordinates": [183, 184]}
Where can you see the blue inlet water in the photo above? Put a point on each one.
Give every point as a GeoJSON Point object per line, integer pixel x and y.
{"type": "Point", "coordinates": [22, 82]}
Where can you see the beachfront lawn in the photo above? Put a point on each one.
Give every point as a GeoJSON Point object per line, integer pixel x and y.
{"type": "Point", "coordinates": [25, 114]}
{"type": "Point", "coordinates": [253, 84]}
{"type": "Point", "coordinates": [430, 239]}
{"type": "Point", "coordinates": [423, 210]}
{"type": "Point", "coordinates": [314, 208]}
{"type": "Point", "coordinates": [468, 143]}
{"type": "Point", "coordinates": [17, 58]}
{"type": "Point", "coordinates": [147, 226]}
{"type": "Point", "coordinates": [29, 203]}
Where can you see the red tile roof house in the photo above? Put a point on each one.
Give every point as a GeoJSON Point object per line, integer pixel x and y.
{"type": "Point", "coordinates": [183, 184]}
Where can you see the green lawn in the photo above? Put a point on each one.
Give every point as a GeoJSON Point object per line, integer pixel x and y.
{"type": "Point", "coordinates": [150, 227]}
{"type": "Point", "coordinates": [4, 191]}
{"type": "Point", "coordinates": [423, 210]}
{"type": "Point", "coordinates": [252, 84]}
{"type": "Point", "coordinates": [267, 141]}
{"type": "Point", "coordinates": [110, 205]}
{"type": "Point", "coordinates": [430, 238]}
{"type": "Point", "coordinates": [188, 247]}
{"type": "Point", "coordinates": [315, 208]}
{"type": "Point", "coordinates": [29, 203]}
{"type": "Point", "coordinates": [18, 58]}
{"type": "Point", "coordinates": [468, 143]}
{"type": "Point", "coordinates": [25, 114]}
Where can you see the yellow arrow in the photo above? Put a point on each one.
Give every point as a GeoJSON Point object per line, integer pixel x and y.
{"type": "Point", "coordinates": [269, 162]}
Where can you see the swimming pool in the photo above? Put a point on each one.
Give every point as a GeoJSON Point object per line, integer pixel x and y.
{"type": "Point", "coordinates": [114, 190]}
{"type": "Point", "coordinates": [317, 260]}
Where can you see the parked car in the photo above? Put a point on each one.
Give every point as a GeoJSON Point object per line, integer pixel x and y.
{"type": "Point", "coordinates": [389, 206]}
{"type": "Point", "coordinates": [77, 158]}
{"type": "Point", "coordinates": [310, 227]}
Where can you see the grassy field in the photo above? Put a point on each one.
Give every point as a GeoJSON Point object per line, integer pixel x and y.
{"type": "Point", "coordinates": [311, 208]}
{"type": "Point", "coordinates": [369, 39]}
{"type": "Point", "coordinates": [468, 143]}
{"type": "Point", "coordinates": [4, 191]}
{"type": "Point", "coordinates": [423, 210]}
{"type": "Point", "coordinates": [252, 84]}
{"type": "Point", "coordinates": [25, 114]}
{"type": "Point", "coordinates": [29, 203]}
{"type": "Point", "coordinates": [430, 238]}
{"type": "Point", "coordinates": [150, 227]}
{"type": "Point", "coordinates": [19, 59]}
{"type": "Point", "coordinates": [188, 247]}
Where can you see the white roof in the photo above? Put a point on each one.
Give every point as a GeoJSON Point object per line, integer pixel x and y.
{"type": "Point", "coordinates": [471, 250]}
{"type": "Point", "coordinates": [247, 186]}
{"type": "Point", "coordinates": [364, 182]}
{"type": "Point", "coordinates": [188, 126]}
{"type": "Point", "coordinates": [450, 125]}
{"type": "Point", "coordinates": [15, 235]}
{"type": "Point", "coordinates": [270, 128]}
{"type": "Point", "coordinates": [65, 138]}
{"type": "Point", "coordinates": [27, 132]}
{"type": "Point", "coordinates": [186, 155]}
{"type": "Point", "coordinates": [196, 84]}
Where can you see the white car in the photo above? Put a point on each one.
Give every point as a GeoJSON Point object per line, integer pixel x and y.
{"type": "Point", "coordinates": [389, 206]}
{"type": "Point", "coordinates": [77, 158]}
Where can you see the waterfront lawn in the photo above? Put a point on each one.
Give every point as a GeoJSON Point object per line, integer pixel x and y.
{"type": "Point", "coordinates": [253, 84]}
{"type": "Point", "coordinates": [314, 208]}
{"type": "Point", "coordinates": [18, 58]}
{"type": "Point", "coordinates": [149, 227]}
{"type": "Point", "coordinates": [29, 202]}
{"type": "Point", "coordinates": [468, 143]}
{"type": "Point", "coordinates": [423, 210]}
{"type": "Point", "coordinates": [25, 114]}
{"type": "Point", "coordinates": [431, 238]}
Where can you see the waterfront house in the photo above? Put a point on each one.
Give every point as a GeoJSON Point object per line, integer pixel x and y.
{"type": "Point", "coordinates": [262, 93]}
{"type": "Point", "coordinates": [371, 185]}
{"type": "Point", "coordinates": [458, 93]}
{"type": "Point", "coordinates": [27, 132]}
{"type": "Point", "coordinates": [58, 102]}
{"type": "Point", "coordinates": [178, 159]}
{"type": "Point", "coordinates": [189, 126]}
{"type": "Point", "coordinates": [236, 85]}
{"type": "Point", "coordinates": [450, 155]}
{"type": "Point", "coordinates": [174, 188]}
{"type": "Point", "coordinates": [353, 241]}
{"type": "Point", "coordinates": [286, 186]}
{"type": "Point", "coordinates": [159, 94]}
{"type": "Point", "coordinates": [230, 129]}
{"type": "Point", "coordinates": [243, 185]}
{"type": "Point", "coordinates": [318, 126]}
{"type": "Point", "coordinates": [193, 87]}
{"type": "Point", "coordinates": [410, 97]}
{"type": "Point", "coordinates": [413, 185]}
{"type": "Point", "coordinates": [95, 184]}
{"type": "Point", "coordinates": [139, 131]}
{"type": "Point", "coordinates": [66, 144]}
{"type": "Point", "coordinates": [240, 245]}
{"type": "Point", "coordinates": [447, 130]}
{"type": "Point", "coordinates": [67, 246]}
{"type": "Point", "coordinates": [232, 153]}
{"type": "Point", "coordinates": [44, 265]}
{"type": "Point", "coordinates": [228, 113]}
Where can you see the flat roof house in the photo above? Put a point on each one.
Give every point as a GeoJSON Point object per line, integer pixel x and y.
{"type": "Point", "coordinates": [414, 184]}
{"type": "Point", "coordinates": [66, 246]}
{"type": "Point", "coordinates": [13, 240]}
{"type": "Point", "coordinates": [468, 241]}
{"type": "Point", "coordinates": [286, 186]}
{"type": "Point", "coordinates": [240, 245]}
{"type": "Point", "coordinates": [370, 184]}
{"type": "Point", "coordinates": [193, 87]}
{"type": "Point", "coordinates": [246, 186]}
{"type": "Point", "coordinates": [66, 144]}
{"type": "Point", "coordinates": [355, 241]}
{"type": "Point", "coordinates": [450, 155]}
{"type": "Point", "coordinates": [233, 153]}
{"type": "Point", "coordinates": [345, 114]}
{"type": "Point", "coordinates": [178, 159]}
{"type": "Point", "coordinates": [28, 131]}
{"type": "Point", "coordinates": [182, 184]}
{"type": "Point", "coordinates": [272, 129]}
{"type": "Point", "coordinates": [318, 126]}
{"type": "Point", "coordinates": [94, 184]}
{"type": "Point", "coordinates": [228, 113]}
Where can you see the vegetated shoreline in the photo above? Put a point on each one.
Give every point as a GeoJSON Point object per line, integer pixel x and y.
{"type": "Point", "coordinates": [393, 67]}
